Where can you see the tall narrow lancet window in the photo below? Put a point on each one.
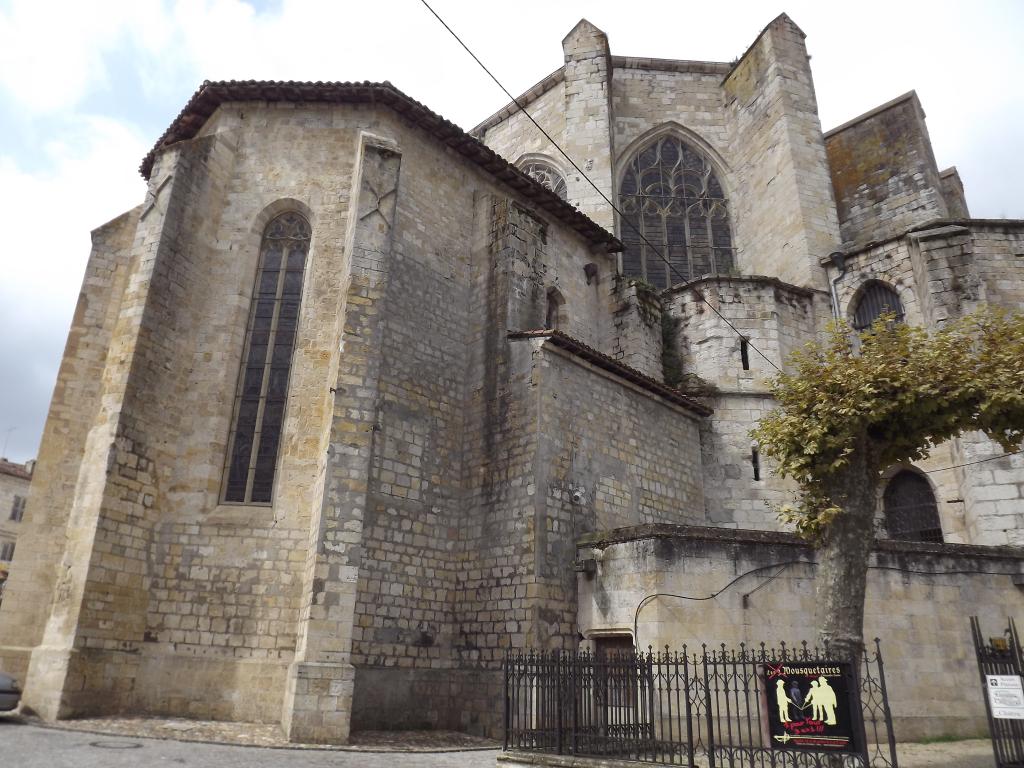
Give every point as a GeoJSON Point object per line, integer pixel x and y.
{"type": "Point", "coordinates": [266, 362]}
{"type": "Point", "coordinates": [911, 513]}
{"type": "Point", "coordinates": [673, 205]}
{"type": "Point", "coordinates": [876, 299]}
{"type": "Point", "coordinates": [555, 310]}
{"type": "Point", "coordinates": [546, 175]}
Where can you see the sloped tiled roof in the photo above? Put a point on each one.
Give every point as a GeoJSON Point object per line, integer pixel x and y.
{"type": "Point", "coordinates": [14, 470]}
{"type": "Point", "coordinates": [610, 364]}
{"type": "Point", "coordinates": [211, 95]}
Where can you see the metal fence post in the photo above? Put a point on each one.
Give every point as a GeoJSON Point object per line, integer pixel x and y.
{"type": "Point", "coordinates": [558, 699]}
{"type": "Point", "coordinates": [505, 667]}
{"type": "Point", "coordinates": [708, 713]}
{"type": "Point", "coordinates": [859, 667]}
{"type": "Point", "coordinates": [689, 706]}
{"type": "Point", "coordinates": [573, 663]}
{"type": "Point", "coordinates": [649, 725]}
{"type": "Point", "coordinates": [885, 705]}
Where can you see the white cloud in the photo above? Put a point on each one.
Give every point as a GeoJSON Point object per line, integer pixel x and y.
{"type": "Point", "coordinates": [48, 217]}
{"type": "Point", "coordinates": [51, 55]}
{"type": "Point", "coordinates": [79, 170]}
{"type": "Point", "coordinates": [92, 179]}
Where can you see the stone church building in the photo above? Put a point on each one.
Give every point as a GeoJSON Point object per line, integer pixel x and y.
{"type": "Point", "coordinates": [354, 400]}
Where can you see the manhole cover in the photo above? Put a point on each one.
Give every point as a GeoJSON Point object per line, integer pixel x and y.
{"type": "Point", "coordinates": [115, 744]}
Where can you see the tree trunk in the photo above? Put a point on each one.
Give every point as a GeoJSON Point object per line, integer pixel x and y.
{"type": "Point", "coordinates": [843, 555]}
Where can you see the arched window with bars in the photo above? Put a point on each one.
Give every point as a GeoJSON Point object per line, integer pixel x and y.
{"type": "Point", "coordinates": [546, 175]}
{"type": "Point", "coordinates": [675, 224]}
{"type": "Point", "coordinates": [875, 299]}
{"type": "Point", "coordinates": [262, 389]}
{"type": "Point", "coordinates": [911, 512]}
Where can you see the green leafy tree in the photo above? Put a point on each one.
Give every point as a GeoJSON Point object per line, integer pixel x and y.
{"type": "Point", "coordinates": [855, 404]}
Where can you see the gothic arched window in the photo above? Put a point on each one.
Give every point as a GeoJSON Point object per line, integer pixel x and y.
{"type": "Point", "coordinates": [876, 299]}
{"type": "Point", "coordinates": [911, 513]}
{"type": "Point", "coordinates": [546, 174]}
{"type": "Point", "coordinates": [262, 388]}
{"type": "Point", "coordinates": [670, 193]}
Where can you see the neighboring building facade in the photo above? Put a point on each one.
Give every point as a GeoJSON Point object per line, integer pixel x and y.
{"type": "Point", "coordinates": [14, 482]}
{"type": "Point", "coordinates": [349, 395]}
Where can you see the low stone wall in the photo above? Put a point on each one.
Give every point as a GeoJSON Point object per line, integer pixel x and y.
{"type": "Point", "coordinates": [718, 586]}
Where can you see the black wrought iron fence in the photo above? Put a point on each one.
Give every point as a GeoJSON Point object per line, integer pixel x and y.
{"type": "Point", "coordinates": [1001, 665]}
{"type": "Point", "coordinates": [705, 708]}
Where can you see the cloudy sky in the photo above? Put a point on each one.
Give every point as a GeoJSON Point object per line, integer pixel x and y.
{"type": "Point", "coordinates": [87, 87]}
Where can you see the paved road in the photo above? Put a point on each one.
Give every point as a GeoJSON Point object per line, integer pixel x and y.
{"type": "Point", "coordinates": [28, 746]}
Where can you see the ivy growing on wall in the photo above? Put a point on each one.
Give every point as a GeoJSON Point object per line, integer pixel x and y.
{"type": "Point", "coordinates": [648, 300]}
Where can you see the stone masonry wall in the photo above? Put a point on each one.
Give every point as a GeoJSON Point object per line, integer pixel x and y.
{"type": "Point", "coordinates": [403, 611]}
{"type": "Point", "coordinates": [784, 208]}
{"type": "Point", "coordinates": [593, 452]}
{"type": "Point", "coordinates": [88, 658]}
{"type": "Point", "coordinates": [993, 490]}
{"type": "Point", "coordinates": [953, 193]}
{"type": "Point", "coordinates": [516, 135]}
{"type": "Point", "coordinates": [216, 595]}
{"type": "Point", "coordinates": [569, 449]}
{"type": "Point", "coordinates": [516, 258]}
{"type": "Point", "coordinates": [775, 319]}
{"type": "Point", "coordinates": [647, 94]}
{"type": "Point", "coordinates": [228, 590]}
{"type": "Point", "coordinates": [898, 264]}
{"type": "Point", "coordinates": [589, 120]}
{"type": "Point", "coordinates": [941, 273]}
{"type": "Point", "coordinates": [319, 694]}
{"type": "Point", "coordinates": [628, 456]}
{"type": "Point", "coordinates": [73, 406]}
{"type": "Point", "coordinates": [916, 600]}
{"type": "Point", "coordinates": [638, 329]}
{"type": "Point", "coordinates": [759, 127]}
{"type": "Point", "coordinates": [998, 250]}
{"type": "Point", "coordinates": [884, 172]}
{"type": "Point", "coordinates": [452, 292]}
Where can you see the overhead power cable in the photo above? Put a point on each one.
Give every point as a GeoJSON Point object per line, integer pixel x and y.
{"type": "Point", "coordinates": [683, 280]}
{"type": "Point", "coordinates": [972, 463]}
{"type": "Point", "coordinates": [786, 564]}
{"type": "Point", "coordinates": [622, 217]}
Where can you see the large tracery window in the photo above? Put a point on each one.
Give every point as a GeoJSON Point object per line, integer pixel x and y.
{"type": "Point", "coordinates": [671, 195]}
{"type": "Point", "coordinates": [547, 175]}
{"type": "Point", "coordinates": [876, 299]}
{"type": "Point", "coordinates": [263, 380]}
{"type": "Point", "coordinates": [911, 513]}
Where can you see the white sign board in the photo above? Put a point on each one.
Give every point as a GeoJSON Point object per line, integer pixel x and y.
{"type": "Point", "coordinates": [1005, 696]}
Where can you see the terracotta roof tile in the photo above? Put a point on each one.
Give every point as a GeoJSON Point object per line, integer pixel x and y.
{"type": "Point", "coordinates": [610, 364]}
{"type": "Point", "coordinates": [14, 470]}
{"type": "Point", "coordinates": [211, 95]}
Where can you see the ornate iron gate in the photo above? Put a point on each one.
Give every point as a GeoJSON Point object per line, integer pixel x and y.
{"type": "Point", "coordinates": [1001, 657]}
{"type": "Point", "coordinates": [682, 708]}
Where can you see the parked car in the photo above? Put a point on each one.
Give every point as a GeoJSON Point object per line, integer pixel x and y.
{"type": "Point", "coordinates": [10, 693]}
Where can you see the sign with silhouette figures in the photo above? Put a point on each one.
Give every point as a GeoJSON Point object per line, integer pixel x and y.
{"type": "Point", "coordinates": [810, 706]}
